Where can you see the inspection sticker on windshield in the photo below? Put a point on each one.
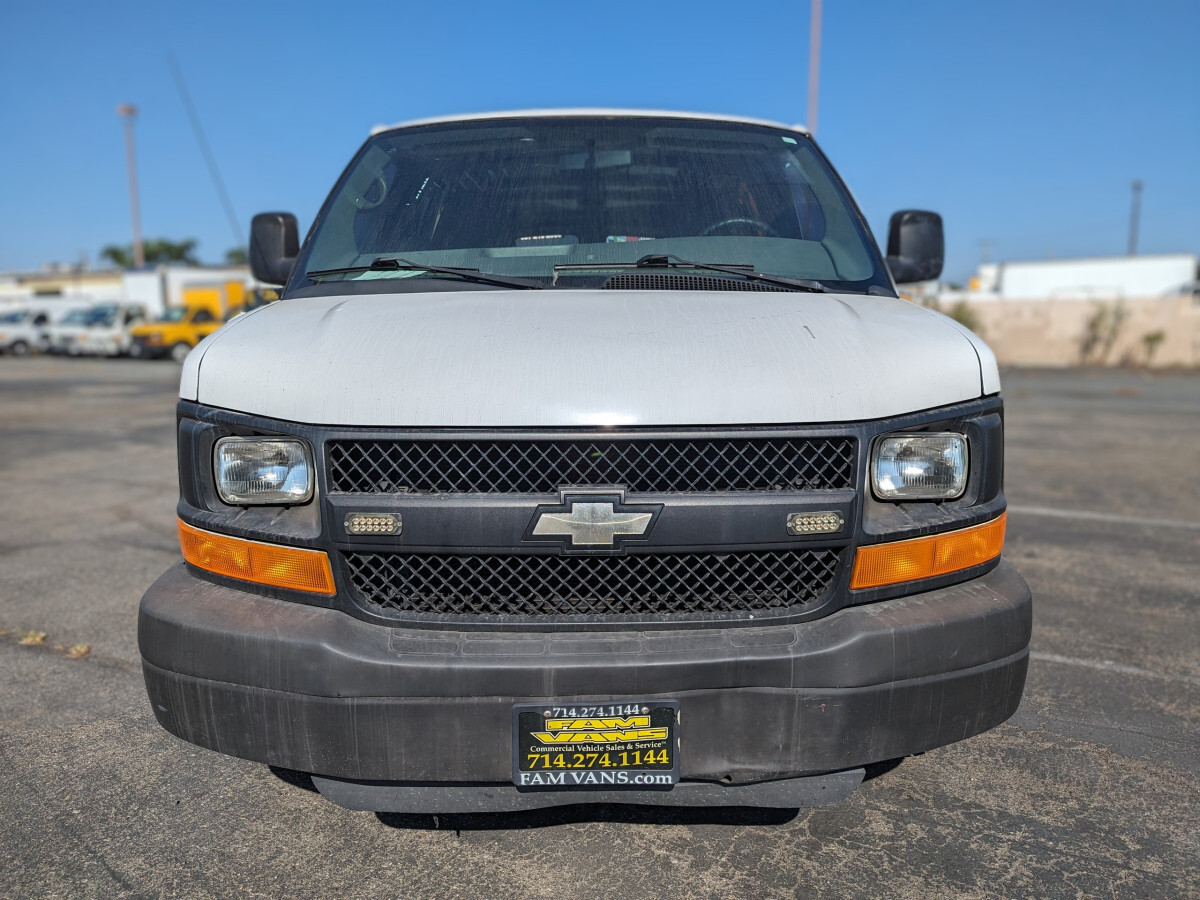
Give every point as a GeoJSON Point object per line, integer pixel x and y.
{"type": "Point", "coordinates": [615, 744]}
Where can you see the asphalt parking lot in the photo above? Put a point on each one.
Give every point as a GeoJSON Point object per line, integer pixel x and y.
{"type": "Point", "coordinates": [1091, 790]}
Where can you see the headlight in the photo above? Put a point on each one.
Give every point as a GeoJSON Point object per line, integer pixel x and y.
{"type": "Point", "coordinates": [263, 470]}
{"type": "Point", "coordinates": [919, 466]}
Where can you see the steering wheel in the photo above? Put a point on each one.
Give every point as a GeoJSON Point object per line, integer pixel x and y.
{"type": "Point", "coordinates": [362, 202]}
{"type": "Point", "coordinates": [740, 220]}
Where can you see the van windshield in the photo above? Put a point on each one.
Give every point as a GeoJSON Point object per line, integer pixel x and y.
{"type": "Point", "coordinates": [565, 201]}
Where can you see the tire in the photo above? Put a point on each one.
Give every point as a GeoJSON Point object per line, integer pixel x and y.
{"type": "Point", "coordinates": [19, 348]}
{"type": "Point", "coordinates": [180, 351]}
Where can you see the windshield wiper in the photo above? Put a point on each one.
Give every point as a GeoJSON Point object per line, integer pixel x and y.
{"type": "Point", "coordinates": [670, 261]}
{"type": "Point", "coordinates": [399, 264]}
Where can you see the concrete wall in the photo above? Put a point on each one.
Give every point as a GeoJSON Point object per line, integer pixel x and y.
{"type": "Point", "coordinates": [1057, 332]}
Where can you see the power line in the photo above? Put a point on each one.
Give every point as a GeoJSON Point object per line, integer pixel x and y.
{"type": "Point", "coordinates": [206, 151]}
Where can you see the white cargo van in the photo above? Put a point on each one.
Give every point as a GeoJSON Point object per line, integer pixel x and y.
{"type": "Point", "coordinates": [588, 456]}
{"type": "Point", "coordinates": [26, 328]}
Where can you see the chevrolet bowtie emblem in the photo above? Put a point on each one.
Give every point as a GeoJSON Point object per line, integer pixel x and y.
{"type": "Point", "coordinates": [592, 521]}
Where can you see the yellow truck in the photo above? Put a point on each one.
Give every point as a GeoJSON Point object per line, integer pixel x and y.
{"type": "Point", "coordinates": [205, 309]}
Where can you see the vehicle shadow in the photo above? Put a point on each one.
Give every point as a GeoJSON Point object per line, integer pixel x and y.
{"type": "Point", "coordinates": [875, 770]}
{"type": "Point", "coordinates": [579, 813]}
{"type": "Point", "coordinates": [301, 780]}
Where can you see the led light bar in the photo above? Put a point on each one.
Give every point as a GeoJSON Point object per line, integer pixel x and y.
{"type": "Point", "coordinates": [814, 523]}
{"type": "Point", "coordinates": [373, 523]}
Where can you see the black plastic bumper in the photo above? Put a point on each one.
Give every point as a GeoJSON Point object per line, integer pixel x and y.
{"type": "Point", "coordinates": [388, 796]}
{"type": "Point", "coordinates": [319, 691]}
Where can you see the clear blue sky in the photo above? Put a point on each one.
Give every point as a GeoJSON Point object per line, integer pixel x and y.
{"type": "Point", "coordinates": [1021, 122]}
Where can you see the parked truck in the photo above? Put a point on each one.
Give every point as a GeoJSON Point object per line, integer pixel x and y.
{"type": "Point", "coordinates": [101, 330]}
{"type": "Point", "coordinates": [588, 457]}
{"type": "Point", "coordinates": [205, 309]}
{"type": "Point", "coordinates": [26, 328]}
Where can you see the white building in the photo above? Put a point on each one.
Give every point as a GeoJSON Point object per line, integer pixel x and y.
{"type": "Point", "coordinates": [1099, 278]}
{"type": "Point", "coordinates": [155, 289]}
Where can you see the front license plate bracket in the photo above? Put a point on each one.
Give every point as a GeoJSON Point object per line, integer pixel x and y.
{"type": "Point", "coordinates": [609, 745]}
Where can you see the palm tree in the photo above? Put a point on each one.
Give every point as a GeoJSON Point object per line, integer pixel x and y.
{"type": "Point", "coordinates": [158, 250]}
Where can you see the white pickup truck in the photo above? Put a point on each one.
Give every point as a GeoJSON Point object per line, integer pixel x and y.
{"type": "Point", "coordinates": [589, 456]}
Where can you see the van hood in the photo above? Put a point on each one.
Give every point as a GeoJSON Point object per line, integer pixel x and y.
{"type": "Point", "coordinates": [584, 358]}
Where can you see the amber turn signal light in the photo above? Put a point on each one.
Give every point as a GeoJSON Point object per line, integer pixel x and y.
{"type": "Point", "coordinates": [879, 565]}
{"type": "Point", "coordinates": [272, 564]}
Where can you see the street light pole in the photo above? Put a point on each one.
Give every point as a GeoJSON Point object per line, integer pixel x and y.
{"type": "Point", "coordinates": [814, 64]}
{"type": "Point", "coordinates": [129, 113]}
{"type": "Point", "coordinates": [1135, 214]}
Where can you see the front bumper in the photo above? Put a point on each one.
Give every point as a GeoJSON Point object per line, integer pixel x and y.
{"type": "Point", "coordinates": [317, 690]}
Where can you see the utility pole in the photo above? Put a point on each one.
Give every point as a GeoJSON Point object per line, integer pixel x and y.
{"type": "Point", "coordinates": [985, 250]}
{"type": "Point", "coordinates": [814, 64]}
{"type": "Point", "coordinates": [128, 112]}
{"type": "Point", "coordinates": [1135, 213]}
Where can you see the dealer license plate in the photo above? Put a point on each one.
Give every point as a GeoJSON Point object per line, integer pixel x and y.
{"type": "Point", "coordinates": [626, 744]}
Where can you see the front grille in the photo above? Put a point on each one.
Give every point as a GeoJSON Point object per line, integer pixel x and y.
{"type": "Point", "coordinates": [635, 585]}
{"type": "Point", "coordinates": [641, 465]}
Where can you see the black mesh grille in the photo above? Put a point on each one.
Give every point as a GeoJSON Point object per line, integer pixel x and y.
{"type": "Point", "coordinates": [664, 282]}
{"type": "Point", "coordinates": [659, 584]}
{"type": "Point", "coordinates": [659, 465]}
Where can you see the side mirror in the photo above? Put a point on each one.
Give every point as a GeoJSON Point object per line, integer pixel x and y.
{"type": "Point", "coordinates": [274, 246]}
{"type": "Point", "coordinates": [916, 246]}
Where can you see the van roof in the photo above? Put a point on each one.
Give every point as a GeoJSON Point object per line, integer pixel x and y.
{"type": "Point", "coordinates": [549, 113]}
